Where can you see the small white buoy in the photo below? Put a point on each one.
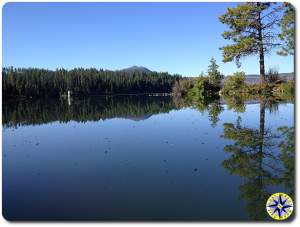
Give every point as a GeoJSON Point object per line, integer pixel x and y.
{"type": "Point", "coordinates": [69, 98]}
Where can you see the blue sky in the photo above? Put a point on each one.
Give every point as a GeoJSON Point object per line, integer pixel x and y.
{"type": "Point", "coordinates": [174, 37]}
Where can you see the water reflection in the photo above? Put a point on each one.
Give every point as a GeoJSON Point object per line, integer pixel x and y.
{"type": "Point", "coordinates": [262, 157]}
{"type": "Point", "coordinates": [287, 156]}
{"type": "Point", "coordinates": [211, 105]}
{"type": "Point", "coordinates": [166, 167]}
{"type": "Point", "coordinates": [40, 111]}
{"type": "Point", "coordinates": [33, 112]}
{"type": "Point", "coordinates": [36, 111]}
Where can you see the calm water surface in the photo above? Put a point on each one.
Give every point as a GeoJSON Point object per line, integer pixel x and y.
{"type": "Point", "coordinates": [144, 158]}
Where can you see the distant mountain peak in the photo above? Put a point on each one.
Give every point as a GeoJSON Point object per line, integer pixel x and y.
{"type": "Point", "coordinates": [137, 69]}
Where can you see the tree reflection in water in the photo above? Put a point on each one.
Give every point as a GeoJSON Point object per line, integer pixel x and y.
{"type": "Point", "coordinates": [262, 157]}
{"type": "Point", "coordinates": [211, 105]}
{"type": "Point", "coordinates": [39, 111]}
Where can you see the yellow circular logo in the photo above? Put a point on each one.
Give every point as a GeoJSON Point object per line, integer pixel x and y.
{"type": "Point", "coordinates": [279, 206]}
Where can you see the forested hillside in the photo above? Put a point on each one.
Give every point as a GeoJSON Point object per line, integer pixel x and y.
{"type": "Point", "coordinates": [42, 82]}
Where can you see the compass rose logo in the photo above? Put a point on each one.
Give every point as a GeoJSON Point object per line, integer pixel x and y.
{"type": "Point", "coordinates": [279, 206]}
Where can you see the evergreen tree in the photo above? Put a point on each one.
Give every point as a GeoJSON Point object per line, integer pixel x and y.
{"type": "Point", "coordinates": [252, 30]}
{"type": "Point", "coordinates": [40, 82]}
{"type": "Point", "coordinates": [287, 35]}
{"type": "Point", "coordinates": [214, 75]}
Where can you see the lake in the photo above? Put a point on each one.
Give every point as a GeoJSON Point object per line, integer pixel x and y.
{"type": "Point", "coordinates": [145, 158]}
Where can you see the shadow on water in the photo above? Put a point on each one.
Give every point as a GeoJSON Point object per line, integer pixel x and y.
{"type": "Point", "coordinates": [262, 157]}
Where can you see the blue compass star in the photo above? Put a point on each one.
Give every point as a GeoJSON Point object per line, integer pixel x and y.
{"type": "Point", "coordinates": [279, 206]}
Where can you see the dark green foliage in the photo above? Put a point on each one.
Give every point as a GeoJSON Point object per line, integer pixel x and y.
{"type": "Point", "coordinates": [41, 82]}
{"type": "Point", "coordinates": [252, 30]}
{"type": "Point", "coordinates": [202, 87]}
{"type": "Point", "coordinates": [202, 92]}
{"type": "Point", "coordinates": [214, 75]}
{"type": "Point", "coordinates": [234, 84]}
{"type": "Point", "coordinates": [245, 23]}
{"type": "Point", "coordinates": [287, 35]}
{"type": "Point", "coordinates": [285, 90]}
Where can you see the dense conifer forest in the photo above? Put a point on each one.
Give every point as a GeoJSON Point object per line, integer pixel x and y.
{"type": "Point", "coordinates": [52, 83]}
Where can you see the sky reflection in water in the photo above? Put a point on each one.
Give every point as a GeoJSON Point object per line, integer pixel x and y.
{"type": "Point", "coordinates": [140, 158]}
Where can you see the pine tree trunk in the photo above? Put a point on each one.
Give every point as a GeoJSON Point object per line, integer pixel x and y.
{"type": "Point", "coordinates": [262, 65]}
{"type": "Point", "coordinates": [261, 50]}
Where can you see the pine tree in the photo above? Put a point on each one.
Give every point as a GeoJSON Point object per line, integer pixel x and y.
{"type": "Point", "coordinates": [214, 75]}
{"type": "Point", "coordinates": [287, 35]}
{"type": "Point", "coordinates": [41, 82]}
{"type": "Point", "coordinates": [252, 30]}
